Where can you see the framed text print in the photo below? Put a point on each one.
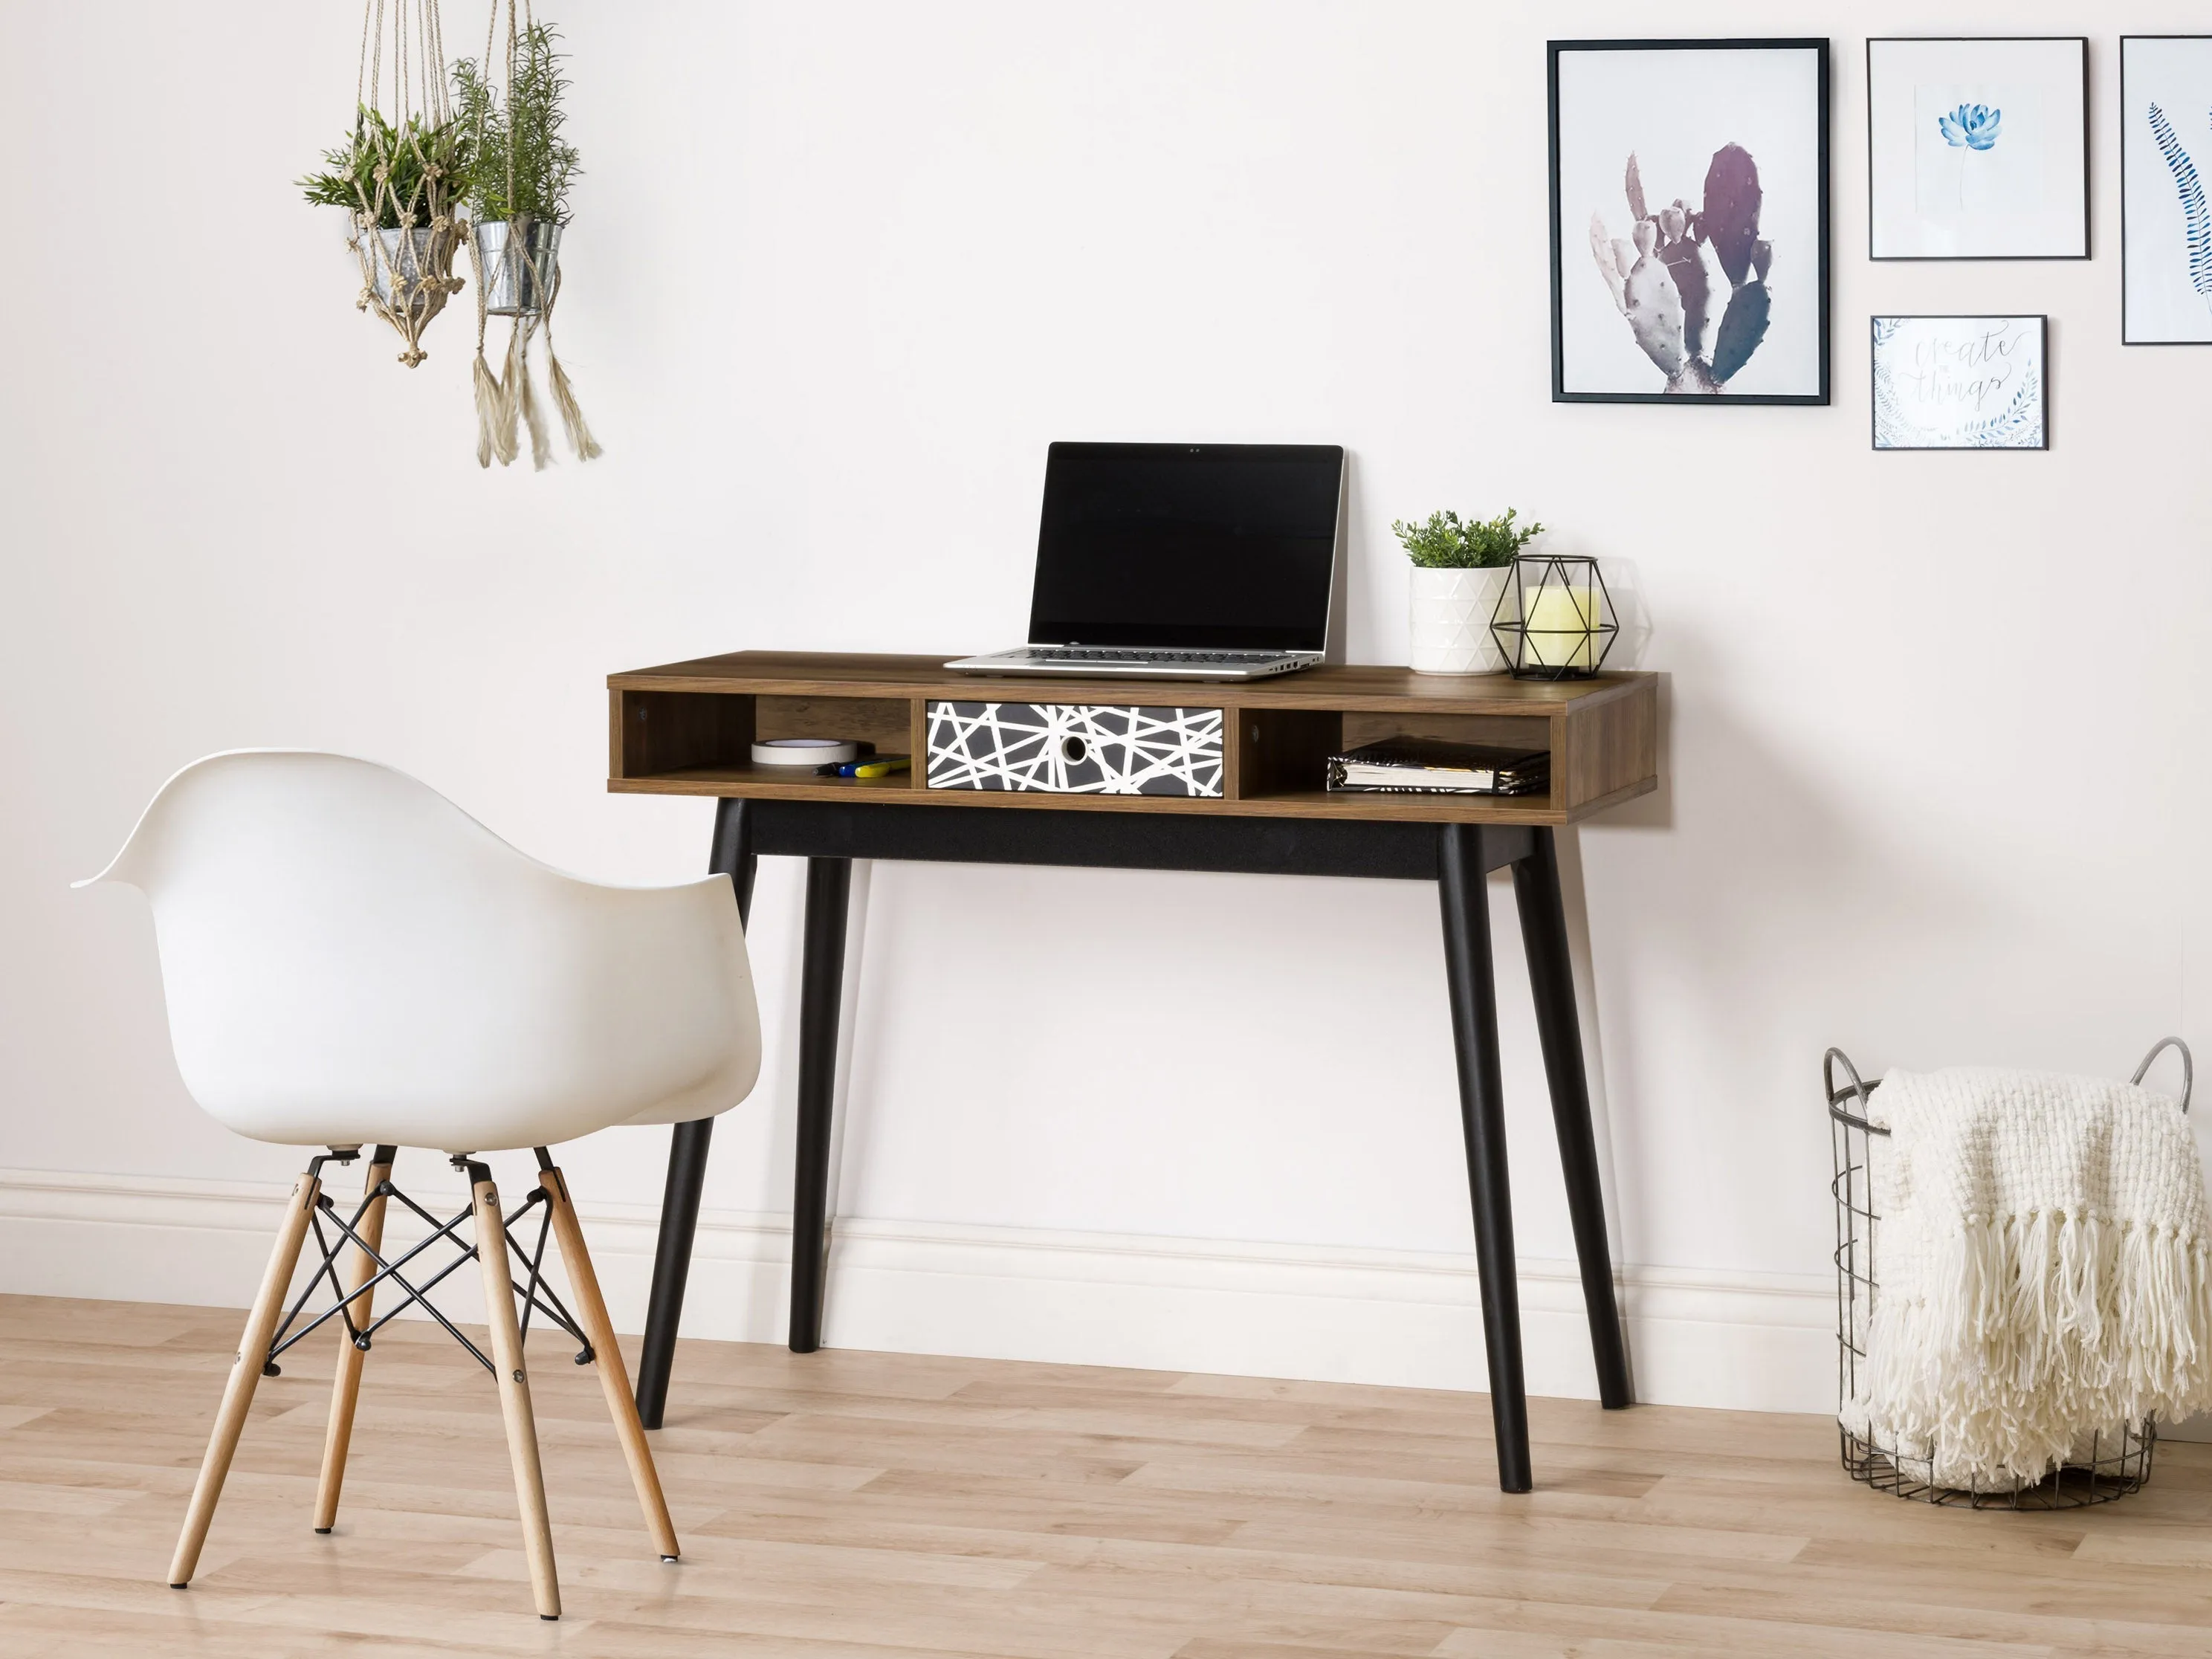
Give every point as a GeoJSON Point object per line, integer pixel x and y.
{"type": "Point", "coordinates": [1689, 221]}
{"type": "Point", "coordinates": [1959, 383]}
{"type": "Point", "coordinates": [1978, 149]}
{"type": "Point", "coordinates": [2166, 164]}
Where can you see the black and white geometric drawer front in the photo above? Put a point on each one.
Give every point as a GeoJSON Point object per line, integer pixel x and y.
{"type": "Point", "coordinates": [1075, 749]}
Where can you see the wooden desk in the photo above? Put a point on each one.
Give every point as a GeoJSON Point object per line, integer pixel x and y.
{"type": "Point", "coordinates": [687, 729]}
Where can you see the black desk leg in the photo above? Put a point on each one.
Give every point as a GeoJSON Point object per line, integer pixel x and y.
{"type": "Point", "coordinates": [1552, 978]}
{"type": "Point", "coordinates": [821, 985]}
{"type": "Point", "coordinates": [1473, 980]}
{"type": "Point", "coordinates": [732, 856]}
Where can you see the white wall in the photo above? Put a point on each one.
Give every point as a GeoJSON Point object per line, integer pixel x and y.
{"type": "Point", "coordinates": [838, 275]}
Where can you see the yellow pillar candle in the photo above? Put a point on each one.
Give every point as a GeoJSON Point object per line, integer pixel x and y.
{"type": "Point", "coordinates": [1558, 625]}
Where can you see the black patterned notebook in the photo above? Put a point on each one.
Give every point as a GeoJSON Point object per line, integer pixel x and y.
{"type": "Point", "coordinates": [1430, 766]}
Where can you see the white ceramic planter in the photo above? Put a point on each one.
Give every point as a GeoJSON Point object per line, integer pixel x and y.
{"type": "Point", "coordinates": [1451, 620]}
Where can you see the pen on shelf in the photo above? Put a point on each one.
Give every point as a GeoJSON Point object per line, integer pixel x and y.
{"type": "Point", "coordinates": [879, 767]}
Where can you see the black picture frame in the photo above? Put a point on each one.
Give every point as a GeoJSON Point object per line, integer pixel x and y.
{"type": "Point", "coordinates": [1818, 46]}
{"type": "Point", "coordinates": [2088, 169]}
{"type": "Point", "coordinates": [2125, 253]}
{"type": "Point", "coordinates": [2042, 321]}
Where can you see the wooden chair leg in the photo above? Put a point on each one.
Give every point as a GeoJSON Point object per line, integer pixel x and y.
{"type": "Point", "coordinates": [614, 1380]}
{"type": "Point", "coordinates": [346, 1388]}
{"type": "Point", "coordinates": [514, 1392]}
{"type": "Point", "coordinates": [244, 1376]}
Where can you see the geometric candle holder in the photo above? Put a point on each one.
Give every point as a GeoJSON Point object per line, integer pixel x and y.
{"type": "Point", "coordinates": [1554, 621]}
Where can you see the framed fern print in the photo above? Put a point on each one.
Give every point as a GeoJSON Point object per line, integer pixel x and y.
{"type": "Point", "coordinates": [2165, 189]}
{"type": "Point", "coordinates": [1959, 383]}
{"type": "Point", "coordinates": [1979, 149]}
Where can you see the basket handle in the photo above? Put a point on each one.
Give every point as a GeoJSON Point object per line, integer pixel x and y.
{"type": "Point", "coordinates": [2188, 1066]}
{"type": "Point", "coordinates": [1858, 1090]}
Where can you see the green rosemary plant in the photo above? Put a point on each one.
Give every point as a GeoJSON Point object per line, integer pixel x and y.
{"type": "Point", "coordinates": [520, 165]}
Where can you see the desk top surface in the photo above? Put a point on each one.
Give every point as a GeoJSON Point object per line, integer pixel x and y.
{"type": "Point", "coordinates": [1358, 686]}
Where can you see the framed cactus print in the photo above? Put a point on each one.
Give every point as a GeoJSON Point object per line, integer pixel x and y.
{"type": "Point", "coordinates": [1979, 149]}
{"type": "Point", "coordinates": [1689, 221]}
{"type": "Point", "coordinates": [1960, 383]}
{"type": "Point", "coordinates": [2165, 165]}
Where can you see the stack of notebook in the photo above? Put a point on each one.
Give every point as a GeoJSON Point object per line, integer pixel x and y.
{"type": "Point", "coordinates": [1428, 765]}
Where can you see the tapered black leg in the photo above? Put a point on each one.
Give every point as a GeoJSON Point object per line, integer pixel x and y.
{"type": "Point", "coordinates": [671, 1265]}
{"type": "Point", "coordinates": [1552, 978]}
{"type": "Point", "coordinates": [731, 855]}
{"type": "Point", "coordinates": [822, 984]}
{"type": "Point", "coordinates": [1469, 972]}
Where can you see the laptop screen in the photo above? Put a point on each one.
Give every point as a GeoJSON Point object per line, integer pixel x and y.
{"type": "Point", "coordinates": [1222, 545]}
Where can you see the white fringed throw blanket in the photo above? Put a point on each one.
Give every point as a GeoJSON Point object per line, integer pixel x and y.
{"type": "Point", "coordinates": [2045, 1271]}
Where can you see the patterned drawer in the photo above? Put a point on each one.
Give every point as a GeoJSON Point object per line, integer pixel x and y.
{"type": "Point", "coordinates": [1075, 749]}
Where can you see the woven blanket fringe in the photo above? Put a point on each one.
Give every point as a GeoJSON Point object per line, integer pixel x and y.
{"type": "Point", "coordinates": [2028, 1330]}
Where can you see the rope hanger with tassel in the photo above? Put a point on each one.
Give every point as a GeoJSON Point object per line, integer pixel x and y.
{"type": "Point", "coordinates": [516, 257]}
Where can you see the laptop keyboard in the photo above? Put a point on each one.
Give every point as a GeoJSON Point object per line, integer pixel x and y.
{"type": "Point", "coordinates": [1105, 654]}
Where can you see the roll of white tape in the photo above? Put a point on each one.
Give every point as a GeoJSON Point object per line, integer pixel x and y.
{"type": "Point", "coordinates": [805, 752]}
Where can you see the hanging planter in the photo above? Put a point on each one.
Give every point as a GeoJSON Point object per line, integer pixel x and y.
{"type": "Point", "coordinates": [515, 189]}
{"type": "Point", "coordinates": [397, 174]}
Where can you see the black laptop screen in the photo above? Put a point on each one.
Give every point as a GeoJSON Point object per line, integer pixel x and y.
{"type": "Point", "coordinates": [1181, 544]}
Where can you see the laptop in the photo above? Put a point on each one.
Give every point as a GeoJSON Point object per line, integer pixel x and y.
{"type": "Point", "coordinates": [1181, 562]}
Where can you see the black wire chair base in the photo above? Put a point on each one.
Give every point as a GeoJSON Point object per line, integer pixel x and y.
{"type": "Point", "coordinates": [344, 1234]}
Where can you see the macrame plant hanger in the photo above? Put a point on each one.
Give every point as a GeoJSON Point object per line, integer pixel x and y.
{"type": "Point", "coordinates": [406, 273]}
{"type": "Point", "coordinates": [524, 273]}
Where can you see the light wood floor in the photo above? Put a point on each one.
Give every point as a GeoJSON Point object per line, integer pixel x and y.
{"type": "Point", "coordinates": [865, 1506]}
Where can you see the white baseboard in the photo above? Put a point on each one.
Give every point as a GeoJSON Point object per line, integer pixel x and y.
{"type": "Point", "coordinates": [1761, 1342]}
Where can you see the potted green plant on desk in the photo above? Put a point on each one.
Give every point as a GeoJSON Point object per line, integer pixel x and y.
{"type": "Point", "coordinates": [1460, 571]}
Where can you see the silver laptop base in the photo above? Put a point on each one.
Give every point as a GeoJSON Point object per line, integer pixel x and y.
{"type": "Point", "coordinates": [1162, 664]}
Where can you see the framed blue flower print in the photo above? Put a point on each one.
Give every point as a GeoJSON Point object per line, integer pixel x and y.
{"type": "Point", "coordinates": [1979, 149]}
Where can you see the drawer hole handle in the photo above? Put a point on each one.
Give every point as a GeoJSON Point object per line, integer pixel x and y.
{"type": "Point", "coordinates": [1074, 750]}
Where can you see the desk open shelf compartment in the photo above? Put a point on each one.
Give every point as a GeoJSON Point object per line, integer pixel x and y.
{"type": "Point", "coordinates": [1282, 754]}
{"type": "Point", "coordinates": [707, 738]}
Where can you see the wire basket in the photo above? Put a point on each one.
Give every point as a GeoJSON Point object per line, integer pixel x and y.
{"type": "Point", "coordinates": [2115, 1466]}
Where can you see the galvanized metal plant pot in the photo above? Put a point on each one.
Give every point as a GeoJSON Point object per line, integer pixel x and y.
{"type": "Point", "coordinates": [520, 260]}
{"type": "Point", "coordinates": [412, 269]}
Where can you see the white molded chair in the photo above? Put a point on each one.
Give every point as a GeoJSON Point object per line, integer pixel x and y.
{"type": "Point", "coordinates": [350, 961]}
